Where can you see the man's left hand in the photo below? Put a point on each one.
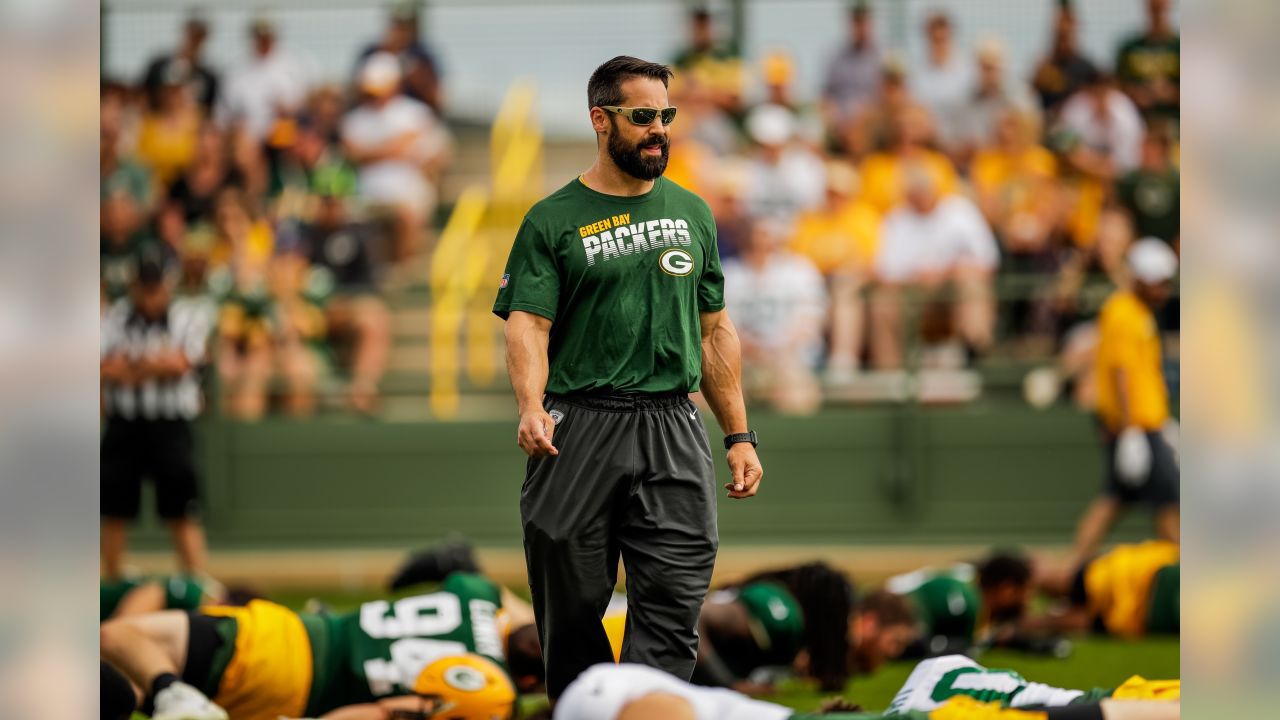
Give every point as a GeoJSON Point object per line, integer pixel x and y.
{"type": "Point", "coordinates": [744, 467]}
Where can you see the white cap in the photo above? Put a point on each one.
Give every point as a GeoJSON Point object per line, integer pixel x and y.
{"type": "Point", "coordinates": [1152, 260]}
{"type": "Point", "coordinates": [380, 74]}
{"type": "Point", "coordinates": [771, 125]}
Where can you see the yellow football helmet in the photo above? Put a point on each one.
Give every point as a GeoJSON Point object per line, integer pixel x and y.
{"type": "Point", "coordinates": [467, 687]}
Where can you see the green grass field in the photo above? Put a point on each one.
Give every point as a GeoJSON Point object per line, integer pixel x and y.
{"type": "Point", "coordinates": [1095, 662]}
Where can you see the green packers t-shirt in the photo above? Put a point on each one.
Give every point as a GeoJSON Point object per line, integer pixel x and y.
{"type": "Point", "coordinates": [623, 280]}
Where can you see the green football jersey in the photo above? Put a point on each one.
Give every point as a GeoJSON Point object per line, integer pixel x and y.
{"type": "Point", "coordinates": [180, 593]}
{"type": "Point", "coordinates": [378, 650]}
{"type": "Point", "coordinates": [623, 280]}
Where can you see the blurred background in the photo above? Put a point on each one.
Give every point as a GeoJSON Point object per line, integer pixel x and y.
{"type": "Point", "coordinates": [922, 207]}
{"type": "Point", "coordinates": [337, 221]}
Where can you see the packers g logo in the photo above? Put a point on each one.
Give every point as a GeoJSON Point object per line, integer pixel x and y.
{"type": "Point", "coordinates": [676, 262]}
{"type": "Point", "coordinates": [465, 678]}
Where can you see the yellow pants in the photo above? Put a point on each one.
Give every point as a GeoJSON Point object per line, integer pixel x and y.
{"type": "Point", "coordinates": [1140, 688]}
{"type": "Point", "coordinates": [1119, 584]}
{"type": "Point", "coordinates": [269, 675]}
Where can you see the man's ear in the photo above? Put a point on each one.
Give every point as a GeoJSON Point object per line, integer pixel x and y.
{"type": "Point", "coordinates": [599, 120]}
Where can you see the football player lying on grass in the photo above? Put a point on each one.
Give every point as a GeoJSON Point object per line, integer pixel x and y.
{"type": "Point", "coordinates": [801, 618]}
{"type": "Point", "coordinates": [636, 692]}
{"type": "Point", "coordinates": [138, 596]}
{"type": "Point", "coordinates": [1131, 591]}
{"type": "Point", "coordinates": [264, 661]}
{"type": "Point", "coordinates": [967, 605]}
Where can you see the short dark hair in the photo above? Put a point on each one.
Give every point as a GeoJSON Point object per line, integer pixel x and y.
{"type": "Point", "coordinates": [1004, 566]}
{"type": "Point", "coordinates": [890, 609]}
{"type": "Point", "coordinates": [605, 85]}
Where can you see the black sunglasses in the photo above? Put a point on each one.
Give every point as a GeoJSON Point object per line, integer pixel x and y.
{"type": "Point", "coordinates": [642, 115]}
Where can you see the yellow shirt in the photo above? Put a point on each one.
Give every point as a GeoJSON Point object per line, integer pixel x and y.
{"type": "Point", "coordinates": [843, 239]}
{"type": "Point", "coordinates": [167, 148]}
{"type": "Point", "coordinates": [1128, 340]}
{"type": "Point", "coordinates": [1118, 584]}
{"type": "Point", "coordinates": [1017, 177]}
{"type": "Point", "coordinates": [883, 184]}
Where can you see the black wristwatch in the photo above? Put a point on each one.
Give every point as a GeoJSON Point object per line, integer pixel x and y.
{"type": "Point", "coordinates": [747, 437]}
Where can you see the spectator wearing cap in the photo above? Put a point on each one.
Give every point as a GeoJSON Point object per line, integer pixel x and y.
{"type": "Point", "coordinates": [341, 279]}
{"type": "Point", "coordinates": [270, 86]}
{"type": "Point", "coordinates": [992, 95]}
{"type": "Point", "coordinates": [199, 80]}
{"type": "Point", "coordinates": [840, 238]}
{"type": "Point", "coordinates": [124, 236]}
{"type": "Point", "coordinates": [1064, 70]}
{"type": "Point", "coordinates": [1104, 122]}
{"type": "Point", "coordinates": [1133, 402]}
{"type": "Point", "coordinates": [942, 81]}
{"type": "Point", "coordinates": [1148, 68]}
{"type": "Point", "coordinates": [716, 65]}
{"type": "Point", "coordinates": [152, 350]}
{"type": "Point", "coordinates": [419, 72]}
{"type": "Point", "coordinates": [783, 178]}
{"type": "Point", "coordinates": [782, 303]}
{"type": "Point", "coordinates": [398, 144]}
{"type": "Point", "coordinates": [854, 74]}
{"type": "Point", "coordinates": [941, 249]}
{"type": "Point", "coordinates": [884, 173]}
{"type": "Point", "coordinates": [170, 127]}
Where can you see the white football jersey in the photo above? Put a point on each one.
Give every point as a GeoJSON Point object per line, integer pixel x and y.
{"type": "Point", "coordinates": [937, 680]}
{"type": "Point", "coordinates": [602, 691]}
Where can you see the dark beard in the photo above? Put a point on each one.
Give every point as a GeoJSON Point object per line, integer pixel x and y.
{"type": "Point", "coordinates": [631, 162]}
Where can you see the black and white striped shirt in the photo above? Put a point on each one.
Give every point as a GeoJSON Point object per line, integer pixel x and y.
{"type": "Point", "coordinates": [185, 327]}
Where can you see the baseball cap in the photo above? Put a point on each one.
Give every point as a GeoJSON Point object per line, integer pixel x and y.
{"type": "Point", "coordinates": [771, 124]}
{"type": "Point", "coordinates": [380, 74]}
{"type": "Point", "coordinates": [1152, 260]}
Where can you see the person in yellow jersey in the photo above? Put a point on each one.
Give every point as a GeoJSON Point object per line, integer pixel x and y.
{"type": "Point", "coordinates": [1133, 403]}
{"type": "Point", "coordinates": [404, 658]}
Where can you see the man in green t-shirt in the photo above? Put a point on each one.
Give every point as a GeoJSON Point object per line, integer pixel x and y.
{"type": "Point", "coordinates": [614, 302]}
{"type": "Point", "coordinates": [1147, 66]}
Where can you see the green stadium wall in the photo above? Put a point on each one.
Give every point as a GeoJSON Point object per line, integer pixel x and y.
{"type": "Point", "coordinates": [899, 474]}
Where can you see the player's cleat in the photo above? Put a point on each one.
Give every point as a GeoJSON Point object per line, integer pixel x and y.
{"type": "Point", "coordinates": [180, 701]}
{"type": "Point", "coordinates": [435, 564]}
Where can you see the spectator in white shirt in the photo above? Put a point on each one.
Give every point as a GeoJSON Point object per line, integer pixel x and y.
{"type": "Point", "coordinates": [942, 249]}
{"type": "Point", "coordinates": [779, 304]}
{"type": "Point", "coordinates": [397, 143]}
{"type": "Point", "coordinates": [784, 178]}
{"type": "Point", "coordinates": [271, 86]}
{"type": "Point", "coordinates": [1106, 124]}
{"type": "Point", "coordinates": [945, 78]}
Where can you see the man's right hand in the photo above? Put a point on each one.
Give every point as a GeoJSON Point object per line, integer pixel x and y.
{"type": "Point", "coordinates": [534, 436]}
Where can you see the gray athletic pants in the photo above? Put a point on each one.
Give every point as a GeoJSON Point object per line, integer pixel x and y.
{"type": "Point", "coordinates": [633, 477]}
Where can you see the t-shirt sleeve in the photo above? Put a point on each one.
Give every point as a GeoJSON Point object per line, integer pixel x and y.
{"type": "Point", "coordinates": [531, 280]}
{"type": "Point", "coordinates": [711, 284]}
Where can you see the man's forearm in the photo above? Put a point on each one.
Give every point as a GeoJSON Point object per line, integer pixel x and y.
{"type": "Point", "coordinates": [722, 376]}
{"type": "Point", "coordinates": [527, 341]}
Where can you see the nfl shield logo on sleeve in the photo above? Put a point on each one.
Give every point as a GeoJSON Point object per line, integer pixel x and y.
{"type": "Point", "coordinates": [506, 277]}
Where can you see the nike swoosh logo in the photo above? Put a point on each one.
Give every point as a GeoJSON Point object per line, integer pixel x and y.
{"type": "Point", "coordinates": [694, 415]}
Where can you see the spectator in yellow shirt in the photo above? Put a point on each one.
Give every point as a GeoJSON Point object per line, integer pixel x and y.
{"type": "Point", "coordinates": [884, 173]}
{"type": "Point", "coordinates": [170, 128]}
{"type": "Point", "coordinates": [1133, 403]}
{"type": "Point", "coordinates": [840, 239]}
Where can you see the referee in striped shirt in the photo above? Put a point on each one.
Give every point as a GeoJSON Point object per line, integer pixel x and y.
{"type": "Point", "coordinates": [152, 349]}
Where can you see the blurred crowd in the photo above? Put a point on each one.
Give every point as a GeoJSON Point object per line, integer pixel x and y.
{"type": "Point", "coordinates": [280, 207]}
{"type": "Point", "coordinates": [915, 190]}
{"type": "Point", "coordinates": [936, 202]}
